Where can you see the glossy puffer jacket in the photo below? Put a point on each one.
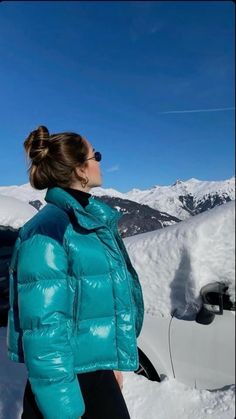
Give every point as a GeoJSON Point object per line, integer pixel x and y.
{"type": "Point", "coordinates": [76, 303]}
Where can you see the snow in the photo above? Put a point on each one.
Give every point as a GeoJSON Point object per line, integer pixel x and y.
{"type": "Point", "coordinates": [145, 399]}
{"type": "Point", "coordinates": [109, 192]}
{"type": "Point", "coordinates": [172, 400]}
{"type": "Point", "coordinates": [24, 192]}
{"type": "Point", "coordinates": [166, 198]}
{"type": "Point", "coordinates": [15, 213]}
{"type": "Point", "coordinates": [162, 198]}
{"type": "Point", "coordinates": [174, 263]}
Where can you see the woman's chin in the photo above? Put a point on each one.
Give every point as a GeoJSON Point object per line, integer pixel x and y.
{"type": "Point", "coordinates": [95, 185]}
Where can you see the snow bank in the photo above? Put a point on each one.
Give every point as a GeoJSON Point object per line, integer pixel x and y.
{"type": "Point", "coordinates": [15, 213]}
{"type": "Point", "coordinates": [172, 400]}
{"type": "Point", "coordinates": [174, 263]}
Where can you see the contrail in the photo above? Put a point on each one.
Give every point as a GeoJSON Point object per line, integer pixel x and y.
{"type": "Point", "coordinates": [113, 168]}
{"type": "Point", "coordinates": [201, 110]}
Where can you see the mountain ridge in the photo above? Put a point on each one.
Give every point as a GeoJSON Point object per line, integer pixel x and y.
{"type": "Point", "coordinates": [149, 209]}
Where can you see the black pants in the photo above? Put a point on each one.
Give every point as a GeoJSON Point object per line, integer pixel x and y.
{"type": "Point", "coordinates": [101, 393]}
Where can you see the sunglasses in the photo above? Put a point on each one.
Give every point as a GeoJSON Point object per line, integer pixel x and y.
{"type": "Point", "coordinates": [97, 156]}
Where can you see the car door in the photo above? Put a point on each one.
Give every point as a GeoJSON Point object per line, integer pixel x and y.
{"type": "Point", "coordinates": [203, 352]}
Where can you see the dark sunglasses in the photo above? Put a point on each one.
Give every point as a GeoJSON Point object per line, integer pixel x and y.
{"type": "Point", "coordinates": [97, 156]}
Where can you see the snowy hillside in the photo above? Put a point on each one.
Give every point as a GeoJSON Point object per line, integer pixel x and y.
{"type": "Point", "coordinates": [26, 193]}
{"type": "Point", "coordinates": [22, 192]}
{"type": "Point", "coordinates": [174, 263]}
{"type": "Point", "coordinates": [137, 218]}
{"type": "Point", "coordinates": [182, 199]}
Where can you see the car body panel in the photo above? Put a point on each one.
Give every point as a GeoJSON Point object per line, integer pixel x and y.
{"type": "Point", "coordinates": [154, 343]}
{"type": "Point", "coordinates": [203, 355]}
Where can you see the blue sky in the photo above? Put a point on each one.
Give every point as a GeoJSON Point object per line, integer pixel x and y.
{"type": "Point", "coordinates": [125, 75]}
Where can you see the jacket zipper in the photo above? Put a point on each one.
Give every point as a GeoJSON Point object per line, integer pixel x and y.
{"type": "Point", "coordinates": [125, 267]}
{"type": "Point", "coordinates": [130, 292]}
{"type": "Point", "coordinates": [75, 305]}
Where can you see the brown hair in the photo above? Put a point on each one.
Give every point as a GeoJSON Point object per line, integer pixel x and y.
{"type": "Point", "coordinates": [54, 157]}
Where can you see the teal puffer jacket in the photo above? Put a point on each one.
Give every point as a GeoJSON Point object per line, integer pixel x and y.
{"type": "Point", "coordinates": [76, 303]}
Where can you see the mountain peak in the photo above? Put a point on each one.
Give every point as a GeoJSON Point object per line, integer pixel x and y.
{"type": "Point", "coordinates": [177, 182]}
{"type": "Point", "coordinates": [193, 179]}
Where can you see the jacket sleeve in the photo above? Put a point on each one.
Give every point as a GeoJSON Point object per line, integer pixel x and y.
{"type": "Point", "coordinates": [45, 300]}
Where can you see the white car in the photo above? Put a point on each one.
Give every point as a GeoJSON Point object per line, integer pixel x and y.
{"type": "Point", "coordinates": [187, 275]}
{"type": "Point", "coordinates": [199, 352]}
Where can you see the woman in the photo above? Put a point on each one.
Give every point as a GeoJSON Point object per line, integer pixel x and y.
{"type": "Point", "coordinates": [76, 304]}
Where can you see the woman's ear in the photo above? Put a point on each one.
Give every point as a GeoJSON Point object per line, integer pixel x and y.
{"type": "Point", "coordinates": [81, 171]}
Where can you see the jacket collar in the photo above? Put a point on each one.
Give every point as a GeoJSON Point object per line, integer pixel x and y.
{"type": "Point", "coordinates": [97, 213]}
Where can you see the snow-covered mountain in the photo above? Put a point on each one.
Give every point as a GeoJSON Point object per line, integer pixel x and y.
{"type": "Point", "coordinates": [170, 203]}
{"type": "Point", "coordinates": [182, 198]}
{"type": "Point", "coordinates": [137, 218]}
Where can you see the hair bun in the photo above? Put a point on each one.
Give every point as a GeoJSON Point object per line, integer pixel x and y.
{"type": "Point", "coordinates": [42, 133]}
{"type": "Point", "coordinates": [37, 143]}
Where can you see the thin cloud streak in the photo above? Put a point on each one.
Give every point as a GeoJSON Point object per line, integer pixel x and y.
{"type": "Point", "coordinates": [113, 168]}
{"type": "Point", "coordinates": [200, 110]}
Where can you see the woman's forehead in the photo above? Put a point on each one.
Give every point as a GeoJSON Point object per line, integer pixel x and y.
{"type": "Point", "coordinates": [92, 148]}
{"type": "Point", "coordinates": [90, 145]}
